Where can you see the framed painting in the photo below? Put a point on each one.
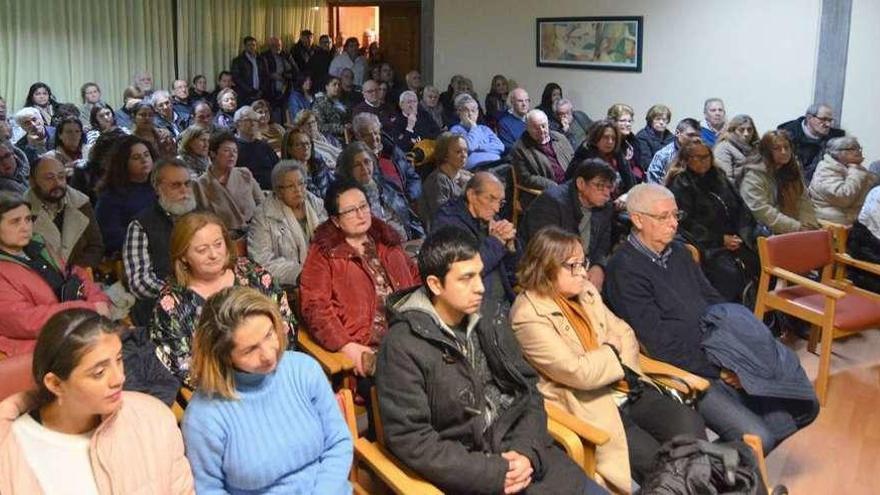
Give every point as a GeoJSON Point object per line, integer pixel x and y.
{"type": "Point", "coordinates": [597, 43]}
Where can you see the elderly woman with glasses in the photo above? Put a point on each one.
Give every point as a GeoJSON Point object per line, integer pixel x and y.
{"type": "Point", "coordinates": [840, 182]}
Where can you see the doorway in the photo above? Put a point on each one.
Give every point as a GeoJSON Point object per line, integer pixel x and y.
{"type": "Point", "coordinates": [394, 25]}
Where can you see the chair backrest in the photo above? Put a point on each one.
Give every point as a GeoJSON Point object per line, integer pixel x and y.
{"type": "Point", "coordinates": [799, 252]}
{"type": "Point", "coordinates": [16, 375]}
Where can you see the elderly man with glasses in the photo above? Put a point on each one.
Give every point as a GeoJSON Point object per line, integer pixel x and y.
{"type": "Point", "coordinates": [810, 134]}
{"type": "Point", "coordinates": [653, 283]}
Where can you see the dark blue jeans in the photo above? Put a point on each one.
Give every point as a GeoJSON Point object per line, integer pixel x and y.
{"type": "Point", "coordinates": [731, 413]}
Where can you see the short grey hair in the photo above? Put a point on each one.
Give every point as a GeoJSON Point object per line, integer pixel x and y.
{"type": "Point", "coordinates": [363, 121]}
{"type": "Point", "coordinates": [464, 99]}
{"type": "Point", "coordinates": [160, 93]}
{"type": "Point", "coordinates": [406, 93]}
{"type": "Point", "coordinates": [642, 196]}
{"type": "Point", "coordinates": [480, 180]}
{"type": "Point", "coordinates": [26, 113]}
{"type": "Point", "coordinates": [709, 101]}
{"type": "Point", "coordinates": [283, 168]}
{"type": "Point", "coordinates": [561, 103]}
{"type": "Point", "coordinates": [815, 107]}
{"type": "Point", "coordinates": [837, 145]}
{"type": "Point", "coordinates": [534, 113]}
{"type": "Point", "coordinates": [162, 165]}
{"type": "Point", "coordinates": [244, 112]}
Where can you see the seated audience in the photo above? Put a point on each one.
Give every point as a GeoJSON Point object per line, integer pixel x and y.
{"type": "Point", "coordinates": [249, 74]}
{"type": "Point", "coordinates": [254, 153]}
{"type": "Point", "coordinates": [301, 96]}
{"type": "Point", "coordinates": [79, 432]}
{"type": "Point", "coordinates": [431, 104]}
{"type": "Point", "coordinates": [655, 286]}
{"type": "Point", "coordinates": [573, 123]}
{"type": "Point", "coordinates": [482, 142]}
{"type": "Point", "coordinates": [413, 80]}
{"type": "Point", "coordinates": [373, 103]}
{"type": "Point", "coordinates": [476, 212]}
{"type": "Point", "coordinates": [540, 156]}
{"type": "Point", "coordinates": [63, 216]}
{"type": "Point", "coordinates": [160, 139]}
{"type": "Point", "coordinates": [125, 115]}
{"type": "Point", "coordinates": [192, 149]}
{"type": "Point", "coordinates": [496, 98]}
{"type": "Point", "coordinates": [181, 101]}
{"type": "Point", "coordinates": [166, 117]}
{"type": "Point", "coordinates": [224, 81]}
{"type": "Point", "coordinates": [580, 206]}
{"type": "Point", "coordinates": [124, 190]}
{"type": "Point", "coordinates": [90, 93]}
{"type": "Point", "coordinates": [349, 93]}
{"type": "Point", "coordinates": [68, 144]}
{"type": "Point", "coordinates": [774, 189]}
{"type": "Point", "coordinates": [410, 125]}
{"type": "Point", "coordinates": [203, 262]}
{"type": "Point", "coordinates": [715, 220]}
{"type": "Point", "coordinates": [87, 176]}
{"type": "Point", "coordinates": [512, 123]}
{"type": "Point", "coordinates": [622, 116]}
{"type": "Point", "coordinates": [863, 242]}
{"type": "Point", "coordinates": [268, 131]}
{"type": "Point", "coordinates": [350, 58]}
{"type": "Point", "coordinates": [282, 228]}
{"type": "Point", "coordinates": [551, 94]}
{"type": "Point", "coordinates": [737, 147]}
{"type": "Point", "coordinates": [145, 257]}
{"type": "Point", "coordinates": [40, 98]}
{"type": "Point", "coordinates": [809, 135]}
{"type": "Point", "coordinates": [298, 149]}
{"type": "Point", "coordinates": [230, 192]}
{"type": "Point", "coordinates": [199, 90]}
{"type": "Point", "coordinates": [355, 262]}
{"type": "Point", "coordinates": [841, 181]}
{"type": "Point", "coordinates": [446, 182]}
{"type": "Point", "coordinates": [203, 116]}
{"type": "Point", "coordinates": [34, 283]}
{"type": "Point", "coordinates": [143, 82]}
{"type": "Point", "coordinates": [491, 439]}
{"type": "Point", "coordinates": [14, 169]}
{"type": "Point", "coordinates": [38, 138]}
{"type": "Point", "coordinates": [331, 112]}
{"type": "Point", "coordinates": [655, 134]}
{"type": "Point", "coordinates": [687, 130]}
{"type": "Point", "coordinates": [325, 146]}
{"type": "Point", "coordinates": [604, 142]}
{"type": "Point", "coordinates": [393, 165]}
{"type": "Point", "coordinates": [588, 360]}
{"type": "Point", "coordinates": [227, 104]}
{"type": "Point", "coordinates": [101, 120]}
{"type": "Point", "coordinates": [715, 116]}
{"type": "Point", "coordinates": [249, 392]}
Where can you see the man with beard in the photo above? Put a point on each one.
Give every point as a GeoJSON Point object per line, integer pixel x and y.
{"type": "Point", "coordinates": [145, 253]}
{"type": "Point", "coordinates": [64, 216]}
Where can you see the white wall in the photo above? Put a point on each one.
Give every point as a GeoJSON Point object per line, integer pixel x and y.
{"type": "Point", "coordinates": [861, 98]}
{"type": "Point", "coordinates": [758, 55]}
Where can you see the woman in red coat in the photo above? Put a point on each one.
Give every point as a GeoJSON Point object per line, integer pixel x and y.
{"type": "Point", "coordinates": [355, 261]}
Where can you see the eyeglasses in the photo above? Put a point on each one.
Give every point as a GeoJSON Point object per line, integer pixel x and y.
{"type": "Point", "coordinates": [573, 266]}
{"type": "Point", "coordinates": [362, 208]}
{"type": "Point", "coordinates": [666, 217]}
{"type": "Point", "coordinates": [825, 120]}
{"type": "Point", "coordinates": [857, 149]}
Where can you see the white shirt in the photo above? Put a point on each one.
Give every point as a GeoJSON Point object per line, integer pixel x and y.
{"type": "Point", "coordinates": [60, 461]}
{"type": "Point", "coordinates": [343, 61]}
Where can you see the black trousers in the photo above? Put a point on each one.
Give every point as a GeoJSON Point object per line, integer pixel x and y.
{"type": "Point", "coordinates": [650, 421]}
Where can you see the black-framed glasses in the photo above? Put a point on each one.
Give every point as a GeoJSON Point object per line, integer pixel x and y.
{"type": "Point", "coordinates": [365, 207]}
{"type": "Point", "coordinates": [827, 120]}
{"type": "Point", "coordinates": [669, 215]}
{"type": "Point", "coordinates": [573, 266]}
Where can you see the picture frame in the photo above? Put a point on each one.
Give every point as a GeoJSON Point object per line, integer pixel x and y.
{"type": "Point", "coordinates": [592, 43]}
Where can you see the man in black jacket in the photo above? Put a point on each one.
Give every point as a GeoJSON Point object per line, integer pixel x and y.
{"type": "Point", "coordinates": [458, 403]}
{"type": "Point", "coordinates": [581, 206]}
{"type": "Point", "coordinates": [248, 72]}
{"type": "Point", "coordinates": [810, 133]}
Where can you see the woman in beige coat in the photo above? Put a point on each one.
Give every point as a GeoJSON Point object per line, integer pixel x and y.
{"type": "Point", "coordinates": [588, 360]}
{"type": "Point", "coordinates": [737, 147]}
{"type": "Point", "coordinates": [840, 183]}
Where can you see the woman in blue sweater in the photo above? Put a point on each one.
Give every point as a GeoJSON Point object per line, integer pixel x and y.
{"type": "Point", "coordinates": [262, 420]}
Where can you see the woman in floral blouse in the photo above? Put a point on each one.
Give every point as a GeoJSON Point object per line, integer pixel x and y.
{"type": "Point", "coordinates": [203, 260]}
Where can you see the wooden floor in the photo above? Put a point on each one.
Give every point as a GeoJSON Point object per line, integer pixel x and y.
{"type": "Point", "coordinates": [840, 452]}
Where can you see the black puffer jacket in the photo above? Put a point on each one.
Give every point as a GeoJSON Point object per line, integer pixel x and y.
{"type": "Point", "coordinates": [809, 151]}
{"type": "Point", "coordinates": [433, 405]}
{"type": "Point", "coordinates": [863, 245]}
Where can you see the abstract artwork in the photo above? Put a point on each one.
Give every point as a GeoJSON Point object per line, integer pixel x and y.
{"type": "Point", "coordinates": [597, 43]}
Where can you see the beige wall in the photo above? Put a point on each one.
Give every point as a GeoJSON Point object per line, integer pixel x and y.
{"type": "Point", "coordinates": [861, 98]}
{"type": "Point", "coordinates": [758, 55]}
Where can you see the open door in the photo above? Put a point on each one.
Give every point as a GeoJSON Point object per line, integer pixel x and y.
{"type": "Point", "coordinates": [399, 29]}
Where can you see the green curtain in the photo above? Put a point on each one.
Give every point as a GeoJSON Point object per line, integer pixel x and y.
{"type": "Point", "coordinates": [211, 30]}
{"type": "Point", "coordinates": [66, 43]}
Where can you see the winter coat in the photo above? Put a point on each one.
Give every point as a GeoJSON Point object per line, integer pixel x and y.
{"type": "Point", "coordinates": [28, 301]}
{"type": "Point", "coordinates": [650, 143]}
{"type": "Point", "coordinates": [758, 191]}
{"type": "Point", "coordinates": [79, 241]}
{"type": "Point", "coordinates": [533, 168]}
{"type": "Point", "coordinates": [863, 245]}
{"type": "Point", "coordinates": [433, 404]}
{"type": "Point", "coordinates": [117, 207]}
{"type": "Point", "coordinates": [337, 292]}
{"type": "Point", "coordinates": [838, 191]}
{"type": "Point", "coordinates": [137, 450]}
{"type": "Point", "coordinates": [732, 156]}
{"type": "Point", "coordinates": [575, 379]}
{"type": "Point", "coordinates": [276, 239]}
{"type": "Point", "coordinates": [235, 202]}
{"type": "Point", "coordinates": [808, 150]}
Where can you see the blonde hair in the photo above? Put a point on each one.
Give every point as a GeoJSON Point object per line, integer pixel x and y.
{"type": "Point", "coordinates": [543, 258]}
{"type": "Point", "coordinates": [619, 110]}
{"type": "Point", "coordinates": [212, 372]}
{"type": "Point", "coordinates": [187, 136]}
{"type": "Point", "coordinates": [184, 230]}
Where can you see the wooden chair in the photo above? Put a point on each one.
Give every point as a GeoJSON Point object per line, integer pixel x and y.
{"type": "Point", "coordinates": [837, 308]}
{"type": "Point", "coordinates": [842, 259]}
{"type": "Point", "coordinates": [17, 376]}
{"type": "Point", "coordinates": [333, 363]}
{"type": "Point", "coordinates": [517, 191]}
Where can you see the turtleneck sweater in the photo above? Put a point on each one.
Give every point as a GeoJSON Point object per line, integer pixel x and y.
{"type": "Point", "coordinates": [283, 434]}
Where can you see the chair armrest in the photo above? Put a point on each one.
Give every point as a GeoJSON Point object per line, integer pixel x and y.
{"type": "Point", "coordinates": [332, 362]}
{"type": "Point", "coordinates": [807, 283]}
{"type": "Point", "coordinates": [571, 443]}
{"type": "Point", "coordinates": [825, 224]}
{"type": "Point", "coordinates": [535, 192]}
{"type": "Point", "coordinates": [396, 478]}
{"type": "Point", "coordinates": [581, 428]}
{"type": "Point", "coordinates": [650, 366]}
{"type": "Point", "coordinates": [754, 441]}
{"type": "Point", "coordinates": [861, 265]}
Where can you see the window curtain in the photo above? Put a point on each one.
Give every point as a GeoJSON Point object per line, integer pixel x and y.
{"type": "Point", "coordinates": [65, 43]}
{"type": "Point", "coordinates": [210, 31]}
